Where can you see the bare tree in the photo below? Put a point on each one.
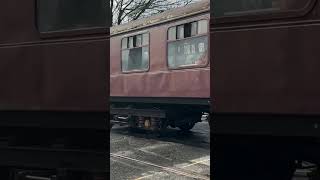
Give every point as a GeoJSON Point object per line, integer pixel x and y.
{"type": "Point", "coordinates": [128, 10]}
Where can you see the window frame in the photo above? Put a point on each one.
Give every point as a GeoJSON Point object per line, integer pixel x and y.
{"type": "Point", "coordinates": [266, 15]}
{"type": "Point", "coordinates": [70, 32]}
{"type": "Point", "coordinates": [193, 66]}
{"type": "Point", "coordinates": [148, 45]}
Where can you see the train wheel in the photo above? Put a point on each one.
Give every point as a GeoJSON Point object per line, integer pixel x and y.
{"type": "Point", "coordinates": [187, 126]}
{"type": "Point", "coordinates": [133, 124]}
{"type": "Point", "coordinates": [162, 127]}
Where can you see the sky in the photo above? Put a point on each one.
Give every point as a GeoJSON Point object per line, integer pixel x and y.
{"type": "Point", "coordinates": [115, 14]}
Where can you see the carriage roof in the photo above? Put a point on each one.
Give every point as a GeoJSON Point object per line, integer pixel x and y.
{"type": "Point", "coordinates": [188, 10]}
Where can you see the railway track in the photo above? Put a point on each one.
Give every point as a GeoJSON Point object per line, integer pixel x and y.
{"type": "Point", "coordinates": [299, 175]}
{"type": "Point", "coordinates": [178, 171]}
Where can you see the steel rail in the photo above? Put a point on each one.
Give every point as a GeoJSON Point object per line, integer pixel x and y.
{"type": "Point", "coordinates": [168, 169]}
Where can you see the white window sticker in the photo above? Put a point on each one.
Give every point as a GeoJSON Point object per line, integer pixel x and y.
{"type": "Point", "coordinates": [201, 47]}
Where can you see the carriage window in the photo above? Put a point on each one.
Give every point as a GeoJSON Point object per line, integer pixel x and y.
{"type": "Point", "coordinates": [172, 33]}
{"type": "Point", "coordinates": [180, 33]}
{"type": "Point", "coordinates": [203, 27]}
{"type": "Point", "coordinates": [135, 53]}
{"type": "Point", "coordinates": [59, 15]}
{"type": "Point", "coordinates": [145, 39]}
{"type": "Point", "coordinates": [194, 28]}
{"type": "Point", "coordinates": [188, 44]}
{"type": "Point", "coordinates": [244, 7]}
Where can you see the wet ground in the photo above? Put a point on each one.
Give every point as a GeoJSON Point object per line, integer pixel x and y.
{"type": "Point", "coordinates": [145, 156]}
{"type": "Point", "coordinates": [177, 155]}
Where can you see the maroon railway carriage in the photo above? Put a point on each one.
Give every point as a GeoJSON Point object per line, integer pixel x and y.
{"type": "Point", "coordinates": [53, 95]}
{"type": "Point", "coordinates": [265, 58]}
{"type": "Point", "coordinates": [160, 69]}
